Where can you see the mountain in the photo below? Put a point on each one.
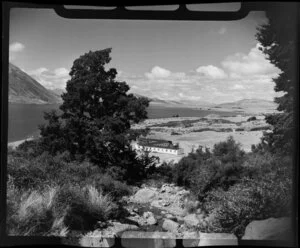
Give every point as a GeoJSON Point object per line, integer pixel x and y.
{"type": "Point", "coordinates": [58, 92]}
{"type": "Point", "coordinates": [25, 89]}
{"type": "Point", "coordinates": [254, 105]}
{"type": "Point", "coordinates": [171, 103]}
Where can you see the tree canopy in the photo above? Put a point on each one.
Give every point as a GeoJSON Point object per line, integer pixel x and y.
{"type": "Point", "coordinates": [97, 113]}
{"type": "Point", "coordinates": [279, 40]}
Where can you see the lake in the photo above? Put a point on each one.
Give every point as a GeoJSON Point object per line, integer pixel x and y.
{"type": "Point", "coordinates": [23, 119]}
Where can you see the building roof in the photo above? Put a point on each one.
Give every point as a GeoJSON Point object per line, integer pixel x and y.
{"type": "Point", "coordinates": [157, 143]}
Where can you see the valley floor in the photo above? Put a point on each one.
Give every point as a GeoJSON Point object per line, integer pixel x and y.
{"type": "Point", "coordinates": [192, 132]}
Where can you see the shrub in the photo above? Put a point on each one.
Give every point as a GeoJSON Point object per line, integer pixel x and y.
{"type": "Point", "coordinates": [253, 118]}
{"type": "Point", "coordinates": [262, 128]}
{"type": "Point", "coordinates": [161, 174]}
{"type": "Point", "coordinates": [267, 194]}
{"type": "Point", "coordinates": [31, 148]}
{"type": "Point", "coordinates": [245, 202]}
{"type": "Point", "coordinates": [114, 188]}
{"type": "Point", "coordinates": [31, 213]}
{"type": "Point", "coordinates": [203, 171]}
{"type": "Point", "coordinates": [83, 207]}
{"type": "Point", "coordinates": [228, 151]}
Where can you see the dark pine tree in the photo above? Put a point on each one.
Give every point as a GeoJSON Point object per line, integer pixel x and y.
{"type": "Point", "coordinates": [97, 113]}
{"type": "Point", "coordinates": [279, 40]}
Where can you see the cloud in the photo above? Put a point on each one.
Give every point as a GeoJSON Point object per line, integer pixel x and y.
{"type": "Point", "coordinates": [211, 71]}
{"type": "Point", "coordinates": [240, 76]}
{"type": "Point", "coordinates": [237, 87]}
{"type": "Point", "coordinates": [222, 30]}
{"type": "Point", "coordinates": [61, 72]}
{"type": "Point", "coordinates": [158, 72]}
{"type": "Point", "coordinates": [56, 78]}
{"type": "Point", "coordinates": [16, 47]}
{"type": "Point", "coordinates": [254, 63]}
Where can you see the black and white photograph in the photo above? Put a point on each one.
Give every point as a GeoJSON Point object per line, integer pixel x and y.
{"type": "Point", "coordinates": [152, 131]}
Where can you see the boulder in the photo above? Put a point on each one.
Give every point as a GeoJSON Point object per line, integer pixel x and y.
{"type": "Point", "coordinates": [269, 229]}
{"type": "Point", "coordinates": [191, 220]}
{"type": "Point", "coordinates": [215, 239]}
{"type": "Point", "coordinates": [156, 203]}
{"type": "Point", "coordinates": [151, 220]}
{"type": "Point", "coordinates": [170, 217]}
{"type": "Point", "coordinates": [167, 189]}
{"type": "Point", "coordinates": [147, 214]}
{"type": "Point", "coordinates": [170, 225]}
{"type": "Point", "coordinates": [144, 195]}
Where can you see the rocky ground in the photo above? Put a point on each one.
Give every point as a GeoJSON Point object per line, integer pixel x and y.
{"type": "Point", "coordinates": [161, 209]}
{"type": "Point", "coordinates": [157, 217]}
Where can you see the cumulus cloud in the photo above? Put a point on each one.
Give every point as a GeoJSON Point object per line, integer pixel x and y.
{"type": "Point", "coordinates": [158, 72]}
{"type": "Point", "coordinates": [16, 47]}
{"type": "Point", "coordinates": [253, 63]}
{"type": "Point", "coordinates": [237, 87]}
{"type": "Point", "coordinates": [240, 76]}
{"type": "Point", "coordinates": [51, 79]}
{"type": "Point", "coordinates": [211, 72]}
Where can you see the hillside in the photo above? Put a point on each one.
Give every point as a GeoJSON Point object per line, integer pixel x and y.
{"type": "Point", "coordinates": [253, 105]}
{"type": "Point", "coordinates": [25, 89]}
{"type": "Point", "coordinates": [171, 103]}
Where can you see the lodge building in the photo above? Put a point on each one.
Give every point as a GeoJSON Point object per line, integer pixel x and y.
{"type": "Point", "coordinates": [158, 145]}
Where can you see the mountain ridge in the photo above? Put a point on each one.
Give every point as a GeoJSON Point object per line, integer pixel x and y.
{"type": "Point", "coordinates": [24, 89]}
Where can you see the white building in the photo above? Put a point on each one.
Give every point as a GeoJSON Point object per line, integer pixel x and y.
{"type": "Point", "coordinates": [157, 145]}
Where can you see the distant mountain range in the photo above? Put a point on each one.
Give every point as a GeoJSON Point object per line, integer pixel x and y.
{"type": "Point", "coordinates": [25, 89]}
{"type": "Point", "coordinates": [249, 104]}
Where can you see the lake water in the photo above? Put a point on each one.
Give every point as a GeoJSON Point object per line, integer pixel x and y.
{"type": "Point", "coordinates": [23, 119]}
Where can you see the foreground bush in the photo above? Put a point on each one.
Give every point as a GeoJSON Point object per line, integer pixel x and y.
{"type": "Point", "coordinates": [32, 213]}
{"type": "Point", "coordinates": [203, 171]}
{"type": "Point", "coordinates": [54, 193]}
{"type": "Point", "coordinates": [267, 194]}
{"type": "Point", "coordinates": [56, 210]}
{"type": "Point", "coordinates": [83, 207]}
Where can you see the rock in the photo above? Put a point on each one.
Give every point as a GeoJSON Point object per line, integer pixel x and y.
{"type": "Point", "coordinates": [183, 192]}
{"type": "Point", "coordinates": [147, 214]}
{"type": "Point", "coordinates": [144, 195]}
{"type": "Point", "coordinates": [156, 203]}
{"type": "Point", "coordinates": [214, 239]}
{"type": "Point", "coordinates": [170, 217]}
{"type": "Point", "coordinates": [138, 219]}
{"type": "Point", "coordinates": [269, 229]}
{"type": "Point", "coordinates": [170, 225]}
{"type": "Point", "coordinates": [191, 220]}
{"type": "Point", "coordinates": [179, 218]}
{"type": "Point", "coordinates": [166, 203]}
{"type": "Point", "coordinates": [158, 217]}
{"type": "Point", "coordinates": [200, 216]}
{"type": "Point", "coordinates": [151, 220]}
{"type": "Point", "coordinates": [165, 188]}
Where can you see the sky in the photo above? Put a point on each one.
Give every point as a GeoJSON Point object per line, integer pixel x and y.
{"type": "Point", "coordinates": [199, 61]}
